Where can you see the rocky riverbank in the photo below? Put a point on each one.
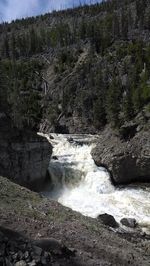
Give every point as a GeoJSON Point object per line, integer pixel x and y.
{"type": "Point", "coordinates": [39, 231]}
{"type": "Point", "coordinates": [24, 156]}
{"type": "Point", "coordinates": [75, 239]}
{"type": "Point", "coordinates": [125, 155]}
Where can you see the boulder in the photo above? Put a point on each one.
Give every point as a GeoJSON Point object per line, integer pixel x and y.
{"type": "Point", "coordinates": [55, 246]}
{"type": "Point", "coordinates": [55, 158]}
{"type": "Point", "coordinates": [129, 222]}
{"type": "Point", "coordinates": [127, 160]}
{"type": "Point", "coordinates": [24, 156]}
{"type": "Point", "coordinates": [51, 137]}
{"type": "Point", "coordinates": [108, 220]}
{"type": "Point", "coordinates": [49, 244]}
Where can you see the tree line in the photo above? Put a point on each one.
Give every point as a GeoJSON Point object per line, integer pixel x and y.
{"type": "Point", "coordinates": [111, 86]}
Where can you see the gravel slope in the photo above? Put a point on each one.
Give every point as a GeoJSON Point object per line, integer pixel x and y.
{"type": "Point", "coordinates": [35, 218]}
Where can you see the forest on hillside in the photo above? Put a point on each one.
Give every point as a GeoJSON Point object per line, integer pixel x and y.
{"type": "Point", "coordinates": [94, 59]}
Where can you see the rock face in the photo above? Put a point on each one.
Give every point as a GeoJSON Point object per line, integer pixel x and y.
{"type": "Point", "coordinates": [127, 160]}
{"type": "Point", "coordinates": [24, 156]}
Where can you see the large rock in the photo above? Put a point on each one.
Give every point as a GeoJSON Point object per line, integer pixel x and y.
{"type": "Point", "coordinates": [129, 222]}
{"type": "Point", "coordinates": [108, 220]}
{"type": "Point", "coordinates": [127, 160]}
{"type": "Point", "coordinates": [24, 156]}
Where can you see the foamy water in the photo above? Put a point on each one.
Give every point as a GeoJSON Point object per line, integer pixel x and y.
{"type": "Point", "coordinates": [79, 184]}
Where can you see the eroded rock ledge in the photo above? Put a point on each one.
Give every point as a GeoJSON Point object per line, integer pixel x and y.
{"type": "Point", "coordinates": [127, 160]}
{"type": "Point", "coordinates": [24, 156]}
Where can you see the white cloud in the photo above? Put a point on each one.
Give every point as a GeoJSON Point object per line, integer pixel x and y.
{"type": "Point", "coordinates": [12, 9]}
{"type": "Point", "coordinates": [16, 9]}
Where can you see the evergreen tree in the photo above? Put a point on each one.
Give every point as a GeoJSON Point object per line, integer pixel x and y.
{"type": "Point", "coordinates": [113, 103]}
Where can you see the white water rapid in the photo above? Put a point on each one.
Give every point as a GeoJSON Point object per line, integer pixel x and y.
{"type": "Point", "coordinates": [76, 182]}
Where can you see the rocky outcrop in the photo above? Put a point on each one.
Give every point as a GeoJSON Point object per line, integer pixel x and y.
{"type": "Point", "coordinates": [24, 156]}
{"type": "Point", "coordinates": [16, 250]}
{"type": "Point", "coordinates": [127, 160]}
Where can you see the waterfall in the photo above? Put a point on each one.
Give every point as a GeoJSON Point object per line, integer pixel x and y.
{"type": "Point", "coordinates": [76, 182]}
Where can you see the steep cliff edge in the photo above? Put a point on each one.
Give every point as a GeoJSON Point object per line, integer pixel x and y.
{"type": "Point", "coordinates": [127, 159]}
{"type": "Point", "coordinates": [24, 156]}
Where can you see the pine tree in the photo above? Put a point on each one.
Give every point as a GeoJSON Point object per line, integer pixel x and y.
{"type": "Point", "coordinates": [5, 47]}
{"type": "Point", "coordinates": [113, 103]}
{"type": "Point", "coordinates": [127, 105]}
{"type": "Point", "coordinates": [13, 46]}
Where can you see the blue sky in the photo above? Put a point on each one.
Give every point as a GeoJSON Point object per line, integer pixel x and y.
{"type": "Point", "coordinates": [12, 9]}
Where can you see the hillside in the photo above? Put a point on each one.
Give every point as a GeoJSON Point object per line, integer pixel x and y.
{"type": "Point", "coordinates": [77, 70]}
{"type": "Point", "coordinates": [73, 239]}
{"type": "Point", "coordinates": [81, 70]}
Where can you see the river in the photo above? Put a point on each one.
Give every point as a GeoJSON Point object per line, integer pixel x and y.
{"type": "Point", "coordinates": [76, 182]}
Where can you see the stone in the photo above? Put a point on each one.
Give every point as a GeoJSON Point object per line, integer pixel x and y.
{"type": "Point", "coordinates": [15, 256]}
{"type": "Point", "coordinates": [2, 249]}
{"type": "Point", "coordinates": [20, 254]}
{"type": "Point", "coordinates": [126, 160]}
{"type": "Point", "coordinates": [49, 244]}
{"type": "Point", "coordinates": [55, 158]}
{"type": "Point", "coordinates": [37, 250]}
{"type": "Point", "coordinates": [26, 255]}
{"type": "Point", "coordinates": [70, 140]}
{"type": "Point", "coordinates": [24, 155]}
{"type": "Point", "coordinates": [32, 263]}
{"type": "Point", "coordinates": [43, 261]}
{"type": "Point", "coordinates": [129, 222]}
{"type": "Point", "coordinates": [68, 252]}
{"type": "Point", "coordinates": [8, 263]}
{"type": "Point", "coordinates": [20, 263]}
{"type": "Point", "coordinates": [108, 220]}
